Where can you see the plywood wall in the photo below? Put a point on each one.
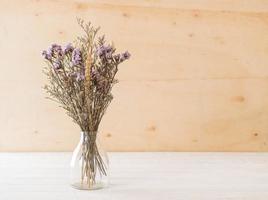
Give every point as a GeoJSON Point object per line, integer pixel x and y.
{"type": "Point", "coordinates": [197, 79]}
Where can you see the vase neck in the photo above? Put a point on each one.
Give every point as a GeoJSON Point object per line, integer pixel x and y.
{"type": "Point", "coordinates": [88, 136]}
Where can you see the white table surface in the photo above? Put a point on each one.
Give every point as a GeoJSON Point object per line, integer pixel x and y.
{"type": "Point", "coordinates": [156, 176]}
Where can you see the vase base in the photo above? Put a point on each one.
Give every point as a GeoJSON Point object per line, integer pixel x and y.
{"type": "Point", "coordinates": [81, 186]}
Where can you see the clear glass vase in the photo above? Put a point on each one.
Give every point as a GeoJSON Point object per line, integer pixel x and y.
{"type": "Point", "coordinates": [89, 164]}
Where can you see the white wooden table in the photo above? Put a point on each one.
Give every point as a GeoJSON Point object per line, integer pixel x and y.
{"type": "Point", "coordinates": [156, 176]}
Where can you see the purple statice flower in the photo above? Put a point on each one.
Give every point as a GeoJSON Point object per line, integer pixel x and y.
{"type": "Point", "coordinates": [99, 82]}
{"type": "Point", "coordinates": [56, 50]}
{"type": "Point", "coordinates": [76, 57]}
{"type": "Point", "coordinates": [105, 51]}
{"type": "Point", "coordinates": [68, 49]}
{"type": "Point", "coordinates": [46, 55]}
{"type": "Point", "coordinates": [117, 57]}
{"type": "Point", "coordinates": [80, 77]}
{"type": "Point", "coordinates": [72, 74]}
{"type": "Point", "coordinates": [100, 50]}
{"type": "Point", "coordinates": [124, 56]}
{"type": "Point", "coordinates": [50, 51]}
{"type": "Point", "coordinates": [56, 47]}
{"type": "Point", "coordinates": [95, 75]}
{"type": "Point", "coordinates": [109, 55]}
{"type": "Point", "coordinates": [109, 49]}
{"type": "Point", "coordinates": [57, 65]}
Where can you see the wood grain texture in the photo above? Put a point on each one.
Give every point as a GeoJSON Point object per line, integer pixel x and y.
{"type": "Point", "coordinates": [197, 79]}
{"type": "Point", "coordinates": [153, 176]}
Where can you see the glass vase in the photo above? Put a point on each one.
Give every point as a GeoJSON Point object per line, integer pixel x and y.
{"type": "Point", "coordinates": [89, 164]}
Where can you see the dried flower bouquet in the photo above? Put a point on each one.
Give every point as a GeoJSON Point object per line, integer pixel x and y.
{"type": "Point", "coordinates": [80, 79]}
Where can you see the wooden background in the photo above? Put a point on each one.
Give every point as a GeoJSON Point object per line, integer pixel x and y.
{"type": "Point", "coordinates": [197, 79]}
